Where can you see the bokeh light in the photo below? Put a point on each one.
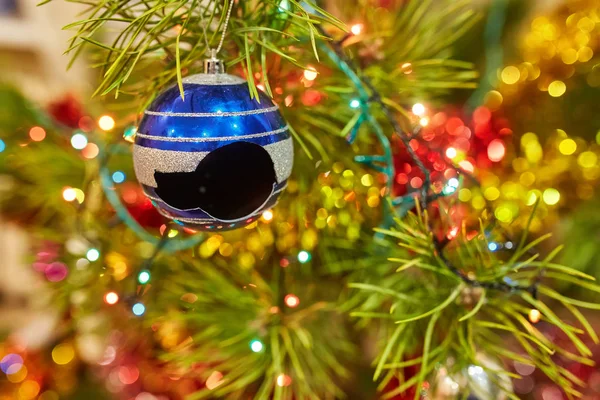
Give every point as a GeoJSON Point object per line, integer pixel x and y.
{"type": "Point", "coordinates": [256, 346]}
{"type": "Point", "coordinates": [128, 374]}
{"type": "Point", "coordinates": [451, 152]}
{"type": "Point", "coordinates": [111, 298]}
{"type": "Point", "coordinates": [63, 354]}
{"type": "Point", "coordinates": [284, 380]}
{"type": "Point", "coordinates": [106, 123]}
{"type": "Point", "coordinates": [144, 277]}
{"type": "Point", "coordinates": [90, 151]}
{"type": "Point", "coordinates": [28, 390]}
{"type": "Point", "coordinates": [354, 103]}
{"type": "Point", "coordinates": [535, 315]}
{"type": "Point", "coordinates": [92, 254]}
{"type": "Point", "coordinates": [291, 300]}
{"type": "Point", "coordinates": [79, 141]}
{"type": "Point", "coordinates": [37, 133]}
{"type": "Point", "coordinates": [310, 73]}
{"type": "Point", "coordinates": [69, 194]}
{"type": "Point", "coordinates": [118, 177]}
{"type": "Point", "coordinates": [267, 215]}
{"type": "Point", "coordinates": [418, 109]}
{"type": "Point", "coordinates": [357, 29]}
{"type": "Point", "coordinates": [11, 363]}
{"type": "Point", "coordinates": [138, 309]}
{"type": "Point", "coordinates": [510, 75]}
{"type": "Point", "coordinates": [551, 196]}
{"type": "Point", "coordinates": [496, 150]}
{"type": "Point", "coordinates": [557, 88]}
{"type": "Point", "coordinates": [56, 272]}
{"type": "Point", "coordinates": [2, 146]}
{"type": "Point", "coordinates": [567, 146]}
{"type": "Point", "coordinates": [304, 256]}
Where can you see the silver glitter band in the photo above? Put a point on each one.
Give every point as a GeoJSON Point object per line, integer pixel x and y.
{"type": "Point", "coordinates": [281, 189]}
{"type": "Point", "coordinates": [147, 160]}
{"type": "Point", "coordinates": [213, 79]}
{"type": "Point", "coordinates": [208, 220]}
{"type": "Point", "coordinates": [210, 139]}
{"type": "Point", "coordinates": [215, 114]}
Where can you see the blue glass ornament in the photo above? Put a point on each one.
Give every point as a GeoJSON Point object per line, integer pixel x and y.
{"type": "Point", "coordinates": [215, 159]}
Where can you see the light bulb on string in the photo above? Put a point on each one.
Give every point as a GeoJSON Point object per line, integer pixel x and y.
{"type": "Point", "coordinates": [144, 277]}
{"type": "Point", "coordinates": [138, 309]}
{"type": "Point", "coordinates": [106, 123]}
{"type": "Point", "coordinates": [357, 29]}
{"type": "Point", "coordinates": [111, 298]}
{"type": "Point", "coordinates": [304, 256]}
{"type": "Point", "coordinates": [418, 109]}
{"type": "Point", "coordinates": [256, 346]}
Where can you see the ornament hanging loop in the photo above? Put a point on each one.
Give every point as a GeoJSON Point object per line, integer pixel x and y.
{"type": "Point", "coordinates": [213, 65]}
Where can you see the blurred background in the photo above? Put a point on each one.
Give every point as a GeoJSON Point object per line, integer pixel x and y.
{"type": "Point", "coordinates": [32, 63]}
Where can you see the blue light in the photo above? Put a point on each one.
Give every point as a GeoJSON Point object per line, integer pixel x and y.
{"type": "Point", "coordinates": [118, 177]}
{"type": "Point", "coordinates": [2, 145]}
{"type": "Point", "coordinates": [11, 363]}
{"type": "Point", "coordinates": [355, 103]}
{"type": "Point", "coordinates": [138, 309]}
{"type": "Point", "coordinates": [449, 189]}
{"type": "Point", "coordinates": [304, 256]}
{"type": "Point", "coordinates": [492, 246]}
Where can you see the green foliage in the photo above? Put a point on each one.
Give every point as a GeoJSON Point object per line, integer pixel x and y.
{"type": "Point", "coordinates": [400, 287]}
{"type": "Point", "coordinates": [474, 319]}
{"type": "Point", "coordinates": [228, 313]}
{"type": "Point", "coordinates": [175, 36]}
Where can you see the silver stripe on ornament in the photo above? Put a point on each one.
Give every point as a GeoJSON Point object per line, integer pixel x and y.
{"type": "Point", "coordinates": [148, 160]}
{"type": "Point", "coordinates": [211, 139]}
{"type": "Point", "coordinates": [213, 79]}
{"type": "Point", "coordinates": [281, 189]}
{"type": "Point", "coordinates": [214, 114]}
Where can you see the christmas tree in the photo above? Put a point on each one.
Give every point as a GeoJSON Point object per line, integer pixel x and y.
{"type": "Point", "coordinates": [355, 209]}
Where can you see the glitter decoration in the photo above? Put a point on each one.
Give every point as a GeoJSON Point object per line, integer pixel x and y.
{"type": "Point", "coordinates": [215, 160]}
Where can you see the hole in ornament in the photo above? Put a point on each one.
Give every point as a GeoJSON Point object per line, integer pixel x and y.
{"type": "Point", "coordinates": [229, 183]}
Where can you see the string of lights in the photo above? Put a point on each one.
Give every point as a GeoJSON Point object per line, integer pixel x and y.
{"type": "Point", "coordinates": [370, 95]}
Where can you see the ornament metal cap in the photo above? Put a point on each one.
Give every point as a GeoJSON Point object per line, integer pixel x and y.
{"type": "Point", "coordinates": [213, 65]}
